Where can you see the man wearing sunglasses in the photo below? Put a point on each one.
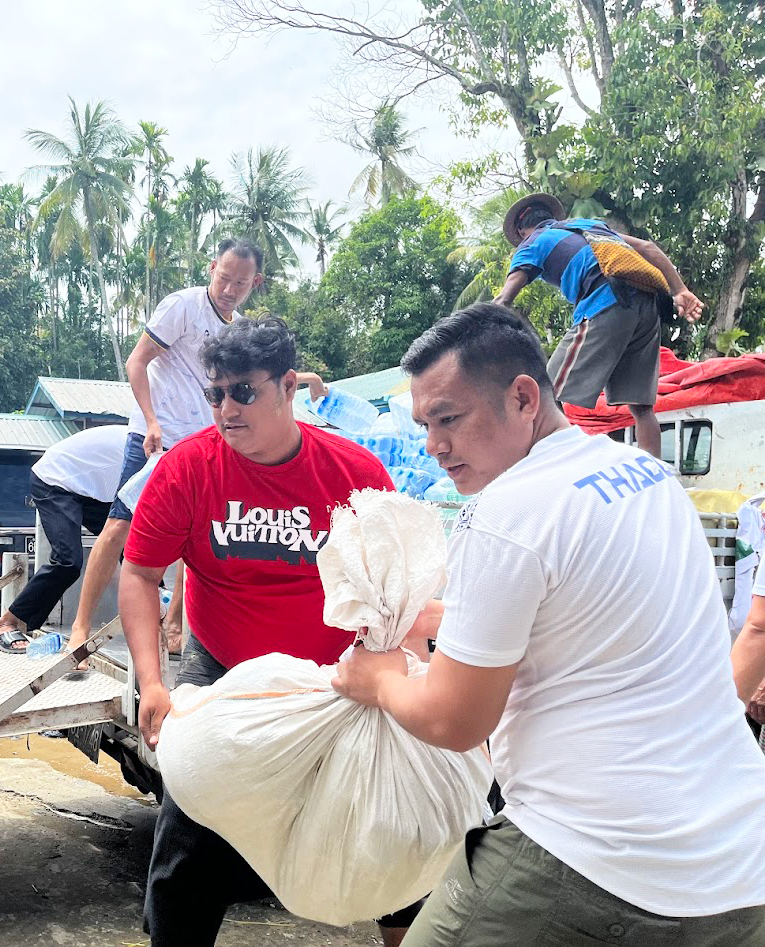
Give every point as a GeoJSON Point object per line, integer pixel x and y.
{"type": "Point", "coordinates": [168, 382]}
{"type": "Point", "coordinates": [246, 504]}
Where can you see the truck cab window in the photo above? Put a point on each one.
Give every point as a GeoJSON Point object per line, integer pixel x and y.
{"type": "Point", "coordinates": [668, 443]}
{"type": "Point", "coordinates": [695, 454]}
{"type": "Point", "coordinates": [695, 447]}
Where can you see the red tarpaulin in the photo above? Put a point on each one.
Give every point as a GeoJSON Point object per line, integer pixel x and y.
{"type": "Point", "coordinates": [683, 385]}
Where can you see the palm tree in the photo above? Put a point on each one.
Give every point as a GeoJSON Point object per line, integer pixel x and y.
{"type": "Point", "coordinates": [488, 248]}
{"type": "Point", "coordinates": [387, 141]}
{"type": "Point", "coordinates": [267, 205]}
{"type": "Point", "coordinates": [194, 201]}
{"type": "Point", "coordinates": [92, 185]}
{"type": "Point", "coordinates": [323, 231]}
{"type": "Point", "coordinates": [218, 202]}
{"type": "Point", "coordinates": [148, 143]}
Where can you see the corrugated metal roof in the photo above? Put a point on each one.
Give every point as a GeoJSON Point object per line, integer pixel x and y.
{"type": "Point", "coordinates": [376, 386]}
{"type": "Point", "coordinates": [73, 398]}
{"type": "Point", "coordinates": [77, 398]}
{"type": "Point", "coordinates": [25, 432]}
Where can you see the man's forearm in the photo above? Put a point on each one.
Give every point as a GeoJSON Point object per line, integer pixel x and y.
{"type": "Point", "coordinates": [748, 658]}
{"type": "Point", "coordinates": [139, 612]}
{"type": "Point", "coordinates": [138, 377]}
{"type": "Point", "coordinates": [662, 262]}
{"type": "Point", "coordinates": [414, 706]}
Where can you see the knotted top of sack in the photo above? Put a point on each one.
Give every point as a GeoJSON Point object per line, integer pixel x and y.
{"type": "Point", "coordinates": [384, 560]}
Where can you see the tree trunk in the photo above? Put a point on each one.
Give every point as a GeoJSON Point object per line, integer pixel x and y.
{"type": "Point", "coordinates": [740, 255]}
{"type": "Point", "coordinates": [102, 286]}
{"type": "Point", "coordinates": [192, 242]}
{"type": "Point", "coordinates": [147, 296]}
{"type": "Point", "coordinates": [52, 298]}
{"type": "Point", "coordinates": [384, 183]}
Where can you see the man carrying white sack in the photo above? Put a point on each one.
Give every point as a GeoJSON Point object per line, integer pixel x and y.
{"type": "Point", "coordinates": [584, 632]}
{"type": "Point", "coordinates": [246, 504]}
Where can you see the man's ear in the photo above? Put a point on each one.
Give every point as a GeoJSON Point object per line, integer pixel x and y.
{"type": "Point", "coordinates": [526, 396]}
{"type": "Point", "coordinates": [290, 381]}
{"type": "Point", "coordinates": [258, 281]}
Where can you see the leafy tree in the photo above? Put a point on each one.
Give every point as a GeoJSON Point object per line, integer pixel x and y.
{"type": "Point", "coordinates": [149, 144]}
{"type": "Point", "coordinates": [387, 141]}
{"type": "Point", "coordinates": [199, 191]}
{"type": "Point", "coordinates": [20, 300]}
{"type": "Point", "coordinates": [92, 184]}
{"type": "Point", "coordinates": [680, 139]}
{"type": "Point", "coordinates": [268, 205]}
{"type": "Point", "coordinates": [301, 308]}
{"type": "Point", "coordinates": [670, 140]}
{"type": "Point", "coordinates": [323, 230]}
{"type": "Point", "coordinates": [390, 280]}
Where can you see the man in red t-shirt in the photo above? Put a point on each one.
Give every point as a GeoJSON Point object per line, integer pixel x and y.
{"type": "Point", "coordinates": [246, 504]}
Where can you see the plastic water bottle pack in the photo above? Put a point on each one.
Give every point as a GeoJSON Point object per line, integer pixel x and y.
{"type": "Point", "coordinates": [345, 411]}
{"type": "Point", "coordinates": [411, 481]}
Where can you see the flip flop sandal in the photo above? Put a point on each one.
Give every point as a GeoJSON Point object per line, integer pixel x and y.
{"type": "Point", "coordinates": [7, 640]}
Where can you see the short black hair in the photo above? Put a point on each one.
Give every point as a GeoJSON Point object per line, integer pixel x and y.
{"type": "Point", "coordinates": [243, 248]}
{"type": "Point", "coordinates": [490, 342]}
{"type": "Point", "coordinates": [536, 215]}
{"type": "Point", "coordinates": [250, 345]}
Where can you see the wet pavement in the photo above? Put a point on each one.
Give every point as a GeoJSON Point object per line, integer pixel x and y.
{"type": "Point", "coordinates": [76, 842]}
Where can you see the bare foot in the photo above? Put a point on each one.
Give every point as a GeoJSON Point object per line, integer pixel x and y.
{"type": "Point", "coordinates": [77, 638]}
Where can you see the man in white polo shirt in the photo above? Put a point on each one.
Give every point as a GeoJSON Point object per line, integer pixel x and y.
{"type": "Point", "coordinates": [168, 383]}
{"type": "Point", "coordinates": [72, 486]}
{"type": "Point", "coordinates": [584, 632]}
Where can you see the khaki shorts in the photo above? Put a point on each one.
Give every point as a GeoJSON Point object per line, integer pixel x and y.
{"type": "Point", "coordinates": [503, 890]}
{"type": "Point", "coordinates": [617, 350]}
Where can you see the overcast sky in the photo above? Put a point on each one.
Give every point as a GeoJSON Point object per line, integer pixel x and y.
{"type": "Point", "coordinates": [159, 60]}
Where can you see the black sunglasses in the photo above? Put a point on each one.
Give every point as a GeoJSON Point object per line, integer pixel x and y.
{"type": "Point", "coordinates": [241, 391]}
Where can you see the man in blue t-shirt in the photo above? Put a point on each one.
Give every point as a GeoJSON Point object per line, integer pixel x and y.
{"type": "Point", "coordinates": [613, 342]}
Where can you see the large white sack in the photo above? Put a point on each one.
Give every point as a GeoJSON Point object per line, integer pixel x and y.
{"type": "Point", "coordinates": [344, 814]}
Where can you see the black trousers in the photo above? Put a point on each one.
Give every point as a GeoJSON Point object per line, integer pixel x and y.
{"type": "Point", "coordinates": [194, 874]}
{"type": "Point", "coordinates": [63, 515]}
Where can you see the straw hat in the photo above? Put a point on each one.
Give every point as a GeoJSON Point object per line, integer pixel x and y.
{"type": "Point", "coordinates": [516, 211]}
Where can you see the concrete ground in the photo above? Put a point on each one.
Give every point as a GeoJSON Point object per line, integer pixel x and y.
{"type": "Point", "coordinates": [73, 868]}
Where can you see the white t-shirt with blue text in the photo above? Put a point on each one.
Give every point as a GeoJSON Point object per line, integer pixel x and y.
{"type": "Point", "coordinates": [622, 749]}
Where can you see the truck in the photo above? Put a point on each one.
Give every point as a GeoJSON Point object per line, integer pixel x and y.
{"type": "Point", "coordinates": [714, 446]}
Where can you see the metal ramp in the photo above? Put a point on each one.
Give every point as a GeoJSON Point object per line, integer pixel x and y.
{"type": "Point", "coordinates": [47, 694]}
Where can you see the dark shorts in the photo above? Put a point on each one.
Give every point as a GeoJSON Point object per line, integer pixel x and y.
{"type": "Point", "coordinates": [503, 889]}
{"type": "Point", "coordinates": [617, 350]}
{"type": "Point", "coordinates": [133, 460]}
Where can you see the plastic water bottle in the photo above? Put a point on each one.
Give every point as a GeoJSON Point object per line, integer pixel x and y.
{"type": "Point", "coordinates": [132, 489]}
{"type": "Point", "coordinates": [400, 407]}
{"type": "Point", "coordinates": [43, 646]}
{"type": "Point", "coordinates": [410, 481]}
{"type": "Point", "coordinates": [385, 424]}
{"type": "Point", "coordinates": [165, 597]}
{"type": "Point", "coordinates": [444, 491]}
{"type": "Point", "coordinates": [346, 411]}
